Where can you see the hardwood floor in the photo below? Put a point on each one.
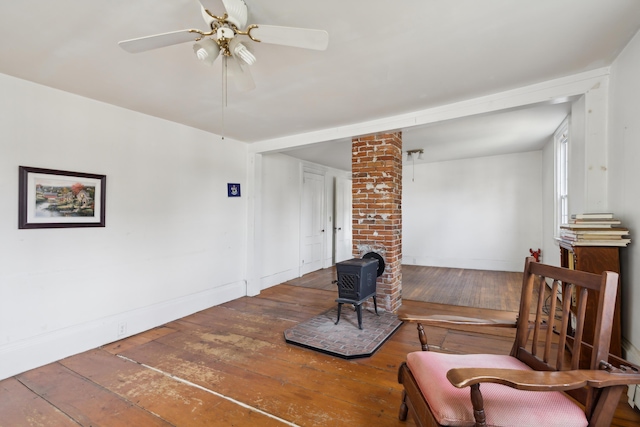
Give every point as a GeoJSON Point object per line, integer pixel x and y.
{"type": "Point", "coordinates": [230, 366]}
{"type": "Point", "coordinates": [497, 290]}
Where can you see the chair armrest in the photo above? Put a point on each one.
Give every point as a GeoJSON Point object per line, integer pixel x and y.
{"type": "Point", "coordinates": [445, 320]}
{"type": "Point", "coordinates": [542, 380]}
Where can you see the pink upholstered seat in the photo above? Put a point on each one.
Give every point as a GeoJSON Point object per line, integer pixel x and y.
{"type": "Point", "coordinates": [552, 376]}
{"type": "Point", "coordinates": [504, 406]}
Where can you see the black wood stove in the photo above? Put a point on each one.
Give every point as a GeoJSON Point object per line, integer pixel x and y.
{"type": "Point", "coordinates": [357, 282]}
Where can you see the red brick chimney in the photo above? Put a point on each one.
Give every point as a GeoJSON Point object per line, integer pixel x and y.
{"type": "Point", "coordinates": [376, 167]}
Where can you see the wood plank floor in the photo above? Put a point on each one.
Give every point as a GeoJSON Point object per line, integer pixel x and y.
{"type": "Point", "coordinates": [497, 290]}
{"type": "Point", "coordinates": [230, 366]}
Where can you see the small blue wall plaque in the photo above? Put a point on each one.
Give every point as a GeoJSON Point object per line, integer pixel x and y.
{"type": "Point", "coordinates": [233, 190]}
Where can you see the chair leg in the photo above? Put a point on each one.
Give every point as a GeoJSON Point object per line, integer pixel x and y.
{"type": "Point", "coordinates": [404, 409]}
{"type": "Point", "coordinates": [606, 405]}
{"type": "Point", "coordinates": [339, 310]}
{"type": "Point", "coordinates": [422, 337]}
{"type": "Point", "coordinates": [478, 406]}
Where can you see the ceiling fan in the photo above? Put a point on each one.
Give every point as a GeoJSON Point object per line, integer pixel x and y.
{"type": "Point", "coordinates": [226, 20]}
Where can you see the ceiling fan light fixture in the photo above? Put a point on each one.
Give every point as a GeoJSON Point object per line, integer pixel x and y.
{"type": "Point", "coordinates": [225, 33]}
{"type": "Point", "coordinates": [206, 50]}
{"type": "Point", "coordinates": [244, 54]}
{"type": "Point", "coordinates": [226, 21]}
{"type": "Point", "coordinates": [411, 157]}
{"type": "Point", "coordinates": [411, 154]}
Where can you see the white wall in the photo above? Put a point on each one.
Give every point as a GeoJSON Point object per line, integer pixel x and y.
{"type": "Point", "coordinates": [281, 178]}
{"type": "Point", "coordinates": [281, 183]}
{"type": "Point", "coordinates": [173, 242]}
{"type": "Point", "coordinates": [483, 213]}
{"type": "Point", "coordinates": [624, 175]}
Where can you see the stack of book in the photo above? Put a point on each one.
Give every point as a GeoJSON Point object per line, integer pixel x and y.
{"type": "Point", "coordinates": [594, 229]}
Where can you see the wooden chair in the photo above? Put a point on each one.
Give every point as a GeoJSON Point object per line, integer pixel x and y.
{"type": "Point", "coordinates": [532, 385]}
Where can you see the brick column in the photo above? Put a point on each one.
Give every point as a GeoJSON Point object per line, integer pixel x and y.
{"type": "Point", "coordinates": [376, 166]}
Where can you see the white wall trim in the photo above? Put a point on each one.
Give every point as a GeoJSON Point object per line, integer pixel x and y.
{"type": "Point", "coordinates": [254, 224]}
{"type": "Point", "coordinates": [281, 277]}
{"type": "Point", "coordinates": [28, 354]}
{"type": "Point", "coordinates": [465, 263]}
{"type": "Point", "coordinates": [577, 84]}
{"type": "Point", "coordinates": [631, 353]}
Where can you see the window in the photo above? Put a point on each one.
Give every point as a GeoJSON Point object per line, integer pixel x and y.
{"type": "Point", "coordinates": [561, 142]}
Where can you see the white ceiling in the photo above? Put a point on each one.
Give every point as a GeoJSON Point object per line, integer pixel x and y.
{"type": "Point", "coordinates": [384, 59]}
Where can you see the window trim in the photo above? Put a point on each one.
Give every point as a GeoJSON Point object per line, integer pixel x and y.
{"type": "Point", "coordinates": [561, 140]}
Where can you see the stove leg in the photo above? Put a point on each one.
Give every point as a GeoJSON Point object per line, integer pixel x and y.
{"type": "Point", "coordinates": [375, 305]}
{"type": "Point", "coordinates": [359, 310]}
{"type": "Point", "coordinates": [339, 309]}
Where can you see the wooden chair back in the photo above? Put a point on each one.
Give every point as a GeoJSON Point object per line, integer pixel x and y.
{"type": "Point", "coordinates": [551, 320]}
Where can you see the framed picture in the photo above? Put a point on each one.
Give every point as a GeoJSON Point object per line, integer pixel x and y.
{"type": "Point", "coordinates": [233, 190]}
{"type": "Point", "coordinates": [50, 198]}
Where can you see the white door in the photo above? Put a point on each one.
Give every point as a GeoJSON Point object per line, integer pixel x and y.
{"type": "Point", "coordinates": [343, 240]}
{"type": "Point", "coordinates": [311, 225]}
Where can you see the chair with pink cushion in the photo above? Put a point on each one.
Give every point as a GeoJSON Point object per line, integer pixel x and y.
{"type": "Point", "coordinates": [542, 382]}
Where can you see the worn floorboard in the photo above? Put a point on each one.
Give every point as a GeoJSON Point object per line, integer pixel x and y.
{"type": "Point", "coordinates": [230, 366]}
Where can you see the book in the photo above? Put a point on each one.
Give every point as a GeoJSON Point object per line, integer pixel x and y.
{"type": "Point", "coordinates": [621, 242]}
{"type": "Point", "coordinates": [613, 230]}
{"type": "Point", "coordinates": [594, 221]}
{"type": "Point", "coordinates": [590, 237]}
{"type": "Point", "coordinates": [598, 225]}
{"type": "Point", "coordinates": [594, 215]}
{"type": "Point", "coordinates": [594, 229]}
{"type": "Point", "coordinates": [598, 233]}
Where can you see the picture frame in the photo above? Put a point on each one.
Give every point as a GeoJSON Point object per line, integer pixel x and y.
{"type": "Point", "coordinates": [233, 190]}
{"type": "Point", "coordinates": [49, 198]}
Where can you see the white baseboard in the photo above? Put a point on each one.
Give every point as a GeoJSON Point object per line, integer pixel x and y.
{"type": "Point", "coordinates": [632, 354]}
{"type": "Point", "coordinates": [277, 278]}
{"type": "Point", "coordinates": [31, 353]}
{"type": "Point", "coordinates": [472, 264]}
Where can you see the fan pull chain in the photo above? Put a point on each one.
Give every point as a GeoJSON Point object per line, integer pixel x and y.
{"type": "Point", "coordinates": [413, 173]}
{"type": "Point", "coordinates": [224, 89]}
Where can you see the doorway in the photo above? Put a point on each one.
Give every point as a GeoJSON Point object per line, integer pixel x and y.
{"type": "Point", "coordinates": [312, 228]}
{"type": "Point", "coordinates": [342, 238]}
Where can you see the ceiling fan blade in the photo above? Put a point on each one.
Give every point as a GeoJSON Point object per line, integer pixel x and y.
{"type": "Point", "coordinates": [241, 75]}
{"type": "Point", "coordinates": [216, 7]}
{"type": "Point", "coordinates": [289, 36]}
{"type": "Point", "coordinates": [236, 11]}
{"type": "Point", "coordinates": [159, 40]}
